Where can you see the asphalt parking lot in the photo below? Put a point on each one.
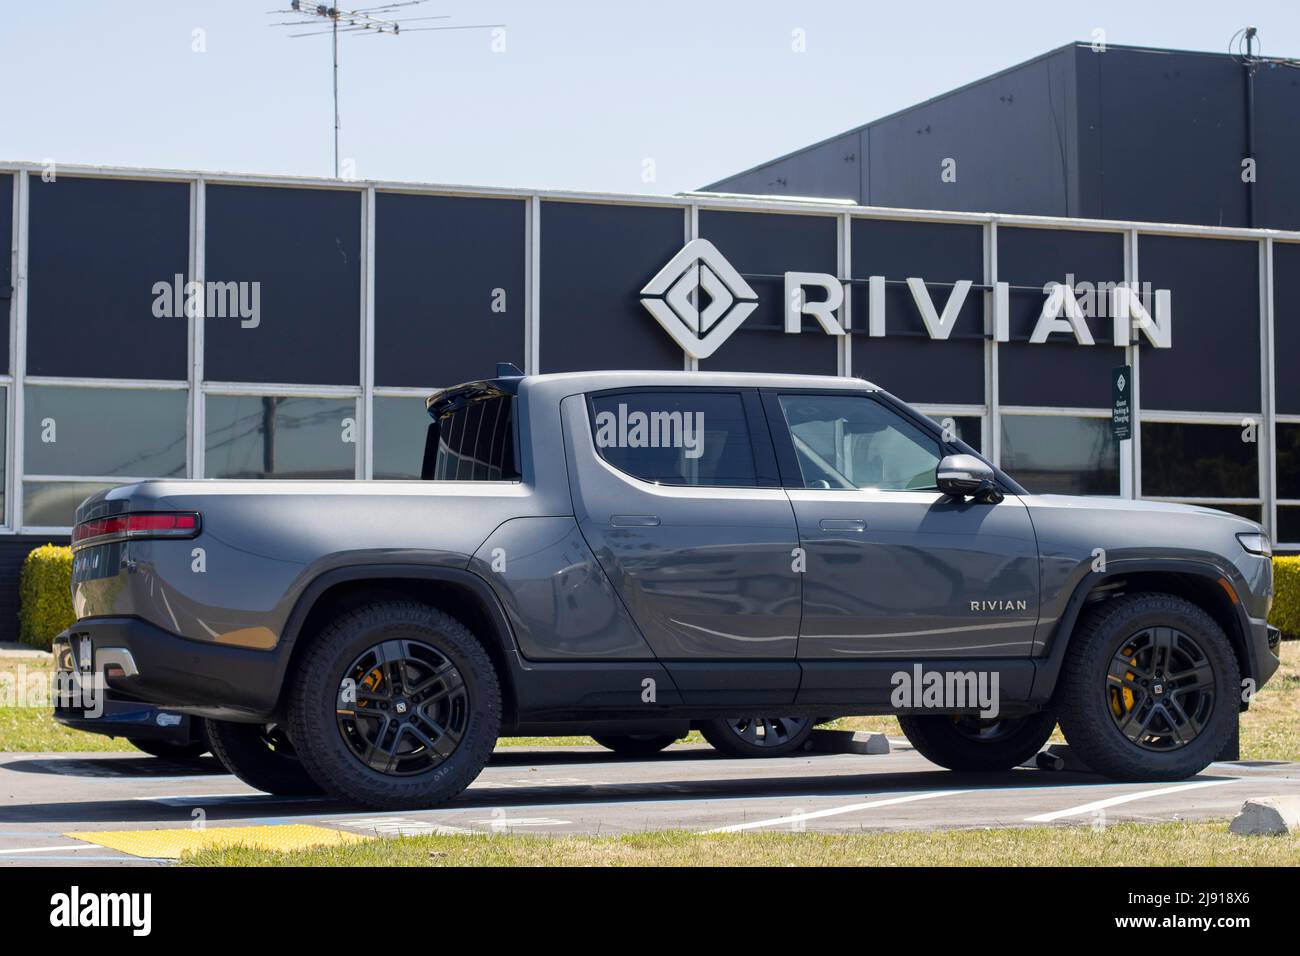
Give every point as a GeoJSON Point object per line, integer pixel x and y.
{"type": "Point", "coordinates": [45, 797]}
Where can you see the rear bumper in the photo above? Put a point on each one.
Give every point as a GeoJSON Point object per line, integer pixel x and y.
{"type": "Point", "coordinates": [148, 664]}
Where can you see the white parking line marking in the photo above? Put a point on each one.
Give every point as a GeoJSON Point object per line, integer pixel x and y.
{"type": "Point", "coordinates": [401, 826]}
{"type": "Point", "coordinates": [833, 811]}
{"type": "Point", "coordinates": [186, 800]}
{"type": "Point", "coordinates": [1124, 798]}
{"type": "Point", "coordinates": [51, 849]}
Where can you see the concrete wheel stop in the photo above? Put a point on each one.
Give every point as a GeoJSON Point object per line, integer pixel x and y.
{"type": "Point", "coordinates": [847, 742]}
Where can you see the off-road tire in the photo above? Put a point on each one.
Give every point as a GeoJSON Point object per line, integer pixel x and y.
{"type": "Point", "coordinates": [264, 763]}
{"type": "Point", "coordinates": [314, 694]}
{"type": "Point", "coordinates": [955, 742]}
{"type": "Point", "coordinates": [635, 745]}
{"type": "Point", "coordinates": [1081, 700]}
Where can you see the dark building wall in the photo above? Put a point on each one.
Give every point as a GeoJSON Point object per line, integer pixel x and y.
{"type": "Point", "coordinates": [1124, 133]}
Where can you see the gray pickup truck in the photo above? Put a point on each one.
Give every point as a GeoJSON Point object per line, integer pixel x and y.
{"type": "Point", "coordinates": [635, 553]}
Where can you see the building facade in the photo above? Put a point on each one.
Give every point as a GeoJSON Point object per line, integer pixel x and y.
{"type": "Point", "coordinates": [166, 323]}
{"type": "Point", "coordinates": [1090, 130]}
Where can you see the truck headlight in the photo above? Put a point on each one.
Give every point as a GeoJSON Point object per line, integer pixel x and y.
{"type": "Point", "coordinates": [1256, 543]}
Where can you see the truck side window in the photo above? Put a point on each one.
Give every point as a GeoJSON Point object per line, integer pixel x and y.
{"type": "Point", "coordinates": [850, 441]}
{"type": "Point", "coordinates": [676, 438]}
{"type": "Point", "coordinates": [475, 442]}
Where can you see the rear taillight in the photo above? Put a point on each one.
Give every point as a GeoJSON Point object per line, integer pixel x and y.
{"type": "Point", "coordinates": [146, 524]}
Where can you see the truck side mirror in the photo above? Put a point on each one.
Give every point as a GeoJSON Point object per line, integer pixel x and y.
{"type": "Point", "coordinates": [965, 476]}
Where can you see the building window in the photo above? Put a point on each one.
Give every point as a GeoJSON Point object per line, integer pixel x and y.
{"type": "Point", "coordinates": [52, 504]}
{"type": "Point", "coordinates": [1287, 445]}
{"type": "Point", "coordinates": [80, 439]}
{"type": "Point", "coordinates": [1200, 460]}
{"type": "Point", "coordinates": [1288, 524]}
{"type": "Point", "coordinates": [400, 427]}
{"type": "Point", "coordinates": [101, 432]}
{"type": "Point", "coordinates": [676, 438]}
{"type": "Point", "coordinates": [1061, 454]}
{"type": "Point", "coordinates": [278, 436]}
{"type": "Point", "coordinates": [4, 445]}
{"type": "Point", "coordinates": [965, 428]}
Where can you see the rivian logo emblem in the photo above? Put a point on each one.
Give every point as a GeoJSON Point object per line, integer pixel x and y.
{"type": "Point", "coordinates": [699, 298]}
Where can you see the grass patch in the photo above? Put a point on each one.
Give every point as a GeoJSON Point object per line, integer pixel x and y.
{"type": "Point", "coordinates": [1270, 730]}
{"type": "Point", "coordinates": [27, 725]}
{"type": "Point", "coordinates": [1173, 844]}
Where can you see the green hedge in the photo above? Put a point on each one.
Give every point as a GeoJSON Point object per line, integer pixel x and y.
{"type": "Point", "coordinates": [1286, 600]}
{"type": "Point", "coordinates": [45, 595]}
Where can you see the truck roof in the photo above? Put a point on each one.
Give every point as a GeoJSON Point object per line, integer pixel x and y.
{"type": "Point", "coordinates": [588, 381]}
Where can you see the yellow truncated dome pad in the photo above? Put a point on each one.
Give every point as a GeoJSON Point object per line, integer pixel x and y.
{"type": "Point", "coordinates": [170, 844]}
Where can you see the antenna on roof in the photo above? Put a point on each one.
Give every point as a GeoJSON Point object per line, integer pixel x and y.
{"type": "Point", "coordinates": [322, 20]}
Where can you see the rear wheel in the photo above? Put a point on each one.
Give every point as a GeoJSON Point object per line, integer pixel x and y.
{"type": "Point", "coordinates": [1150, 689]}
{"type": "Point", "coordinates": [635, 745]}
{"type": "Point", "coordinates": [261, 756]}
{"type": "Point", "coordinates": [395, 705]}
{"type": "Point", "coordinates": [757, 736]}
{"type": "Point", "coordinates": [974, 744]}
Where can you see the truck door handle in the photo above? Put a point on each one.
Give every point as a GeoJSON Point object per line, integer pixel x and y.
{"type": "Point", "coordinates": [634, 521]}
{"type": "Point", "coordinates": [842, 524]}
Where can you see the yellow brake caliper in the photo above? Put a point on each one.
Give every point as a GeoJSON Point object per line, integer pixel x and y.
{"type": "Point", "coordinates": [1121, 700]}
{"type": "Point", "coordinates": [371, 683]}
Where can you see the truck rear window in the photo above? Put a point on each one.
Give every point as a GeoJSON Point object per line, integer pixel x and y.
{"type": "Point", "coordinates": [473, 441]}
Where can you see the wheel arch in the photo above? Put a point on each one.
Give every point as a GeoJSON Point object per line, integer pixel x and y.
{"type": "Point", "coordinates": [460, 593]}
{"type": "Point", "coordinates": [1202, 583]}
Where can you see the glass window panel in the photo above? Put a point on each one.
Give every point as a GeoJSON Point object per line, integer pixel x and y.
{"type": "Point", "coordinates": [401, 425]}
{"type": "Point", "coordinates": [1288, 460]}
{"type": "Point", "coordinates": [1288, 524]}
{"type": "Point", "coordinates": [107, 264]}
{"type": "Point", "coordinates": [52, 504]}
{"type": "Point", "coordinates": [476, 442]}
{"type": "Point", "coordinates": [1061, 454]}
{"type": "Point", "coordinates": [846, 441]}
{"type": "Point", "coordinates": [131, 433]}
{"type": "Point", "coordinates": [268, 436]}
{"type": "Point", "coordinates": [676, 438]}
{"type": "Point", "coordinates": [4, 445]}
{"type": "Point", "coordinates": [961, 427]}
{"type": "Point", "coordinates": [295, 258]}
{"type": "Point", "coordinates": [1198, 461]}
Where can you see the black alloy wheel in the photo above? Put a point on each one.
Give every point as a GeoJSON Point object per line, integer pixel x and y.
{"type": "Point", "coordinates": [1160, 689]}
{"type": "Point", "coordinates": [403, 707]}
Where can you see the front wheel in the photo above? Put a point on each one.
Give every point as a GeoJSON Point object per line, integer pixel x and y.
{"type": "Point", "coordinates": [261, 756]}
{"type": "Point", "coordinates": [1150, 689]}
{"type": "Point", "coordinates": [395, 705]}
{"type": "Point", "coordinates": [757, 736]}
{"type": "Point", "coordinates": [976, 745]}
{"type": "Point", "coordinates": [635, 745]}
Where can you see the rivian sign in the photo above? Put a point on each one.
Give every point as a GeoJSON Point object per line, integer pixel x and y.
{"type": "Point", "coordinates": [700, 299]}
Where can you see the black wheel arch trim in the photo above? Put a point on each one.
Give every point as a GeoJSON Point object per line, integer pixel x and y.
{"type": "Point", "coordinates": [503, 636]}
{"type": "Point", "coordinates": [1048, 667]}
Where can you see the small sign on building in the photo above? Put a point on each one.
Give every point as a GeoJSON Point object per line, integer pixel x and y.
{"type": "Point", "coordinates": [1121, 411]}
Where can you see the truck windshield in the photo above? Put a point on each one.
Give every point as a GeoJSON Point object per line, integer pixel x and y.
{"type": "Point", "coordinates": [473, 440]}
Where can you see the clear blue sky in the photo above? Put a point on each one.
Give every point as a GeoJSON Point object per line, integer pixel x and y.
{"type": "Point", "coordinates": [582, 95]}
